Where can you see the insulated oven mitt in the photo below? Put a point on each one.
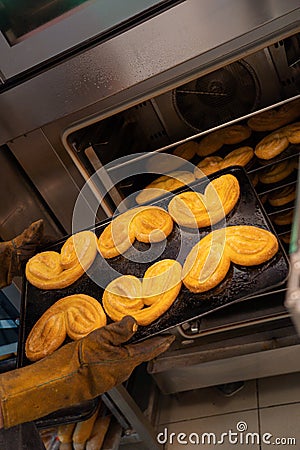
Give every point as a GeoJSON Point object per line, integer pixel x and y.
{"type": "Point", "coordinates": [17, 251]}
{"type": "Point", "coordinates": [79, 371]}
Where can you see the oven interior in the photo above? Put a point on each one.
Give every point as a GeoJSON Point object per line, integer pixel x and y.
{"type": "Point", "coordinates": [262, 80]}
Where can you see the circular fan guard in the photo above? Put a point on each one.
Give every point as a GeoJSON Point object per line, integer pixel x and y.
{"type": "Point", "coordinates": [218, 97]}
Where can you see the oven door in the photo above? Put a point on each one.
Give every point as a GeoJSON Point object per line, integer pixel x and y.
{"type": "Point", "coordinates": [33, 32]}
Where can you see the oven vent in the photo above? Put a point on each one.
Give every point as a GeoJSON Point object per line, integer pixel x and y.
{"type": "Point", "coordinates": [220, 96]}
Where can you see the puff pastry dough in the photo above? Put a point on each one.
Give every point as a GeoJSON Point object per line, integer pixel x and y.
{"type": "Point", "coordinates": [144, 300]}
{"type": "Point", "coordinates": [194, 210]}
{"type": "Point", "coordinates": [170, 182]}
{"type": "Point", "coordinates": [76, 316]}
{"type": "Point", "coordinates": [208, 262]}
{"type": "Point", "coordinates": [233, 134]}
{"type": "Point", "coordinates": [52, 270]}
{"type": "Point", "coordinates": [145, 223]}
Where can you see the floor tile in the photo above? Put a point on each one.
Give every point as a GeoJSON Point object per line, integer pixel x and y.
{"type": "Point", "coordinates": [279, 390]}
{"type": "Point", "coordinates": [215, 425]}
{"type": "Point", "coordinates": [282, 422]}
{"type": "Point", "coordinates": [204, 403]}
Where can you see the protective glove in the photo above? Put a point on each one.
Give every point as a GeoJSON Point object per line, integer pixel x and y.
{"type": "Point", "coordinates": [78, 371]}
{"type": "Point", "coordinates": [17, 251]}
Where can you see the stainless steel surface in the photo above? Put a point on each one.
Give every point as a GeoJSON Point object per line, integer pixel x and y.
{"type": "Point", "coordinates": [20, 204]}
{"type": "Point", "coordinates": [140, 62]}
{"type": "Point", "coordinates": [135, 417]}
{"type": "Point", "coordinates": [271, 351]}
{"type": "Point", "coordinates": [62, 33]}
{"type": "Point", "coordinates": [52, 172]}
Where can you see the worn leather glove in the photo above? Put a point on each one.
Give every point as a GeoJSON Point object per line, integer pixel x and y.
{"type": "Point", "coordinates": [76, 372]}
{"type": "Point", "coordinates": [17, 251]}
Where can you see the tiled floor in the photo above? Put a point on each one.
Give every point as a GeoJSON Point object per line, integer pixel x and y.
{"type": "Point", "coordinates": [269, 410]}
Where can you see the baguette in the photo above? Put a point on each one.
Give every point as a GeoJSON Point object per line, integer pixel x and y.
{"type": "Point", "coordinates": [83, 431]}
{"type": "Point", "coordinates": [98, 434]}
{"type": "Point", "coordinates": [65, 433]}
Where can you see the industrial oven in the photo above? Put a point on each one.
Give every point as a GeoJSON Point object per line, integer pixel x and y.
{"type": "Point", "coordinates": [148, 79]}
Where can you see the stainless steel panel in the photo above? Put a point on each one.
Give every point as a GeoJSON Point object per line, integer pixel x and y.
{"type": "Point", "coordinates": [140, 62]}
{"type": "Point", "coordinates": [244, 358]}
{"type": "Point", "coordinates": [63, 33]}
{"type": "Point", "coordinates": [52, 172]}
{"type": "Point", "coordinates": [19, 204]}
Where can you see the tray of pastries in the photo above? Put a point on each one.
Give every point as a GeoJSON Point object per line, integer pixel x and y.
{"type": "Point", "coordinates": [196, 250]}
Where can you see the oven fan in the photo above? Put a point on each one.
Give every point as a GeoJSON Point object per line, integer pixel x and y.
{"type": "Point", "coordinates": [218, 97]}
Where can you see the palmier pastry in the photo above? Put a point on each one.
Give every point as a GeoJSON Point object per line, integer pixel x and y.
{"type": "Point", "coordinates": [170, 182]}
{"type": "Point", "coordinates": [187, 150]}
{"type": "Point", "coordinates": [208, 262]}
{"type": "Point", "coordinates": [283, 219]}
{"type": "Point", "coordinates": [282, 196]}
{"type": "Point", "coordinates": [275, 118]}
{"type": "Point", "coordinates": [52, 270]}
{"type": "Point", "coordinates": [276, 142]}
{"type": "Point", "coordinates": [211, 164]}
{"type": "Point", "coordinates": [239, 157]}
{"type": "Point", "coordinates": [160, 162]}
{"type": "Point", "coordinates": [277, 172]}
{"type": "Point", "coordinates": [293, 133]}
{"type": "Point", "coordinates": [76, 316]}
{"type": "Point", "coordinates": [194, 210]}
{"type": "Point", "coordinates": [145, 223]}
{"type": "Point", "coordinates": [208, 165]}
{"type": "Point", "coordinates": [144, 300]}
{"type": "Point", "coordinates": [233, 134]}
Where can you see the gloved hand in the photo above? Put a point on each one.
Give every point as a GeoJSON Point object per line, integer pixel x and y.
{"type": "Point", "coordinates": [78, 371]}
{"type": "Point", "coordinates": [17, 251]}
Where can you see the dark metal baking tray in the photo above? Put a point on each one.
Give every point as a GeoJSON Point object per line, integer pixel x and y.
{"type": "Point", "coordinates": [239, 284]}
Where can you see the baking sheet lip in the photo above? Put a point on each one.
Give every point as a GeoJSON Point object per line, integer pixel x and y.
{"type": "Point", "coordinates": [136, 338]}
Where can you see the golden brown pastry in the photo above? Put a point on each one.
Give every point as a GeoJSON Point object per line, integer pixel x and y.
{"type": "Point", "coordinates": [277, 172]}
{"type": "Point", "coordinates": [170, 182]}
{"type": "Point", "coordinates": [153, 224]}
{"type": "Point", "coordinates": [158, 290]}
{"type": "Point", "coordinates": [52, 270]}
{"type": "Point", "coordinates": [239, 157]}
{"type": "Point", "coordinates": [233, 134]}
{"type": "Point", "coordinates": [276, 142]}
{"type": "Point", "coordinates": [76, 316]}
{"type": "Point", "coordinates": [275, 118]}
{"type": "Point", "coordinates": [208, 165]}
{"type": "Point", "coordinates": [117, 237]}
{"type": "Point", "coordinates": [145, 223]}
{"type": "Point", "coordinates": [211, 164]}
{"type": "Point", "coordinates": [208, 262]}
{"type": "Point", "coordinates": [283, 219]}
{"type": "Point", "coordinates": [254, 178]}
{"type": "Point", "coordinates": [283, 196]}
{"type": "Point", "coordinates": [293, 133]}
{"type": "Point", "coordinates": [286, 238]}
{"type": "Point", "coordinates": [187, 150]}
{"type": "Point", "coordinates": [194, 210]}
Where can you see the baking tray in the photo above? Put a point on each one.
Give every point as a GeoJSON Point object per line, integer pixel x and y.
{"type": "Point", "coordinates": [239, 284]}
